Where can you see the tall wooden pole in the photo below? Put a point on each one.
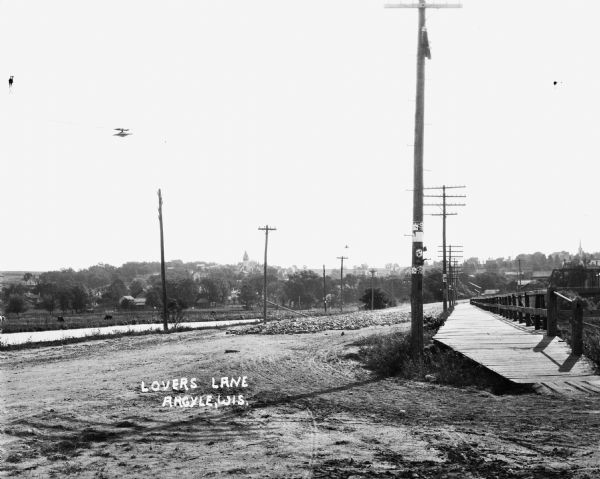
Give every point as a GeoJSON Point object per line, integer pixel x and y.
{"type": "Point", "coordinates": [342, 258]}
{"type": "Point", "coordinates": [266, 229]}
{"type": "Point", "coordinates": [417, 229]}
{"type": "Point", "coordinates": [324, 290]}
{"type": "Point", "coordinates": [372, 292]}
{"type": "Point", "coordinates": [162, 264]}
{"type": "Point", "coordinates": [416, 298]}
{"type": "Point", "coordinates": [450, 274]}
{"type": "Point", "coordinates": [445, 279]}
{"type": "Point", "coordinates": [444, 271]}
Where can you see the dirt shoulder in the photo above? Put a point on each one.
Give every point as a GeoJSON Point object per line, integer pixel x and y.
{"type": "Point", "coordinates": [314, 411]}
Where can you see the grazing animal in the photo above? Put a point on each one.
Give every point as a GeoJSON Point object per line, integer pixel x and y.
{"type": "Point", "coordinates": [107, 316]}
{"type": "Point", "coordinates": [60, 319]}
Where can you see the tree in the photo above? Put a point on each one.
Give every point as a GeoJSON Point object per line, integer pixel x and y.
{"type": "Point", "coordinates": [115, 291]}
{"type": "Point", "coordinates": [27, 277]}
{"type": "Point", "coordinates": [215, 289]}
{"type": "Point", "coordinates": [137, 287]}
{"type": "Point", "coordinates": [46, 289]}
{"type": "Point", "coordinates": [210, 289]}
{"type": "Point", "coordinates": [433, 286]}
{"type": "Point", "coordinates": [79, 298]}
{"type": "Point", "coordinates": [153, 299]}
{"type": "Point", "coordinates": [97, 276]}
{"type": "Point", "coordinates": [16, 304]}
{"type": "Point", "coordinates": [305, 286]}
{"type": "Point", "coordinates": [48, 303]}
{"type": "Point", "coordinates": [126, 303]}
{"type": "Point", "coordinates": [380, 299]}
{"type": "Point", "coordinates": [248, 295]}
{"type": "Point", "coordinates": [64, 296]}
{"type": "Point", "coordinates": [12, 290]}
{"type": "Point", "coordinates": [184, 291]}
{"type": "Point", "coordinates": [224, 290]}
{"type": "Point", "coordinates": [491, 281]}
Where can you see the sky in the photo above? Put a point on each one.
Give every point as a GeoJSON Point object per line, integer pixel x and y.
{"type": "Point", "coordinates": [295, 115]}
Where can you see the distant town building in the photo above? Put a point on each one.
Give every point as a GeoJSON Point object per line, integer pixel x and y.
{"type": "Point", "coordinates": [247, 265]}
{"type": "Point", "coordinates": [540, 275]}
{"type": "Point", "coordinates": [139, 302]}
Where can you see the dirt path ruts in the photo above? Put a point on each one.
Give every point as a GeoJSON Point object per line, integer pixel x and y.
{"type": "Point", "coordinates": [77, 411]}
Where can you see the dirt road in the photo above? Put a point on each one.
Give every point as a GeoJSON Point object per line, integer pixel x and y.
{"type": "Point", "coordinates": [79, 411]}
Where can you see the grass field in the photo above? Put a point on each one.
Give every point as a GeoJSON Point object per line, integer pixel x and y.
{"type": "Point", "coordinates": [39, 320]}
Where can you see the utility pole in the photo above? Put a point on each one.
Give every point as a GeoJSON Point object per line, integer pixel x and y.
{"type": "Point", "coordinates": [450, 271]}
{"type": "Point", "coordinates": [373, 271]}
{"type": "Point", "coordinates": [443, 215]}
{"type": "Point", "coordinates": [324, 291]}
{"type": "Point", "coordinates": [453, 253]}
{"type": "Point", "coordinates": [455, 273]}
{"type": "Point", "coordinates": [266, 229]}
{"type": "Point", "coordinates": [342, 258]}
{"type": "Point", "coordinates": [418, 261]}
{"type": "Point", "coordinates": [162, 264]}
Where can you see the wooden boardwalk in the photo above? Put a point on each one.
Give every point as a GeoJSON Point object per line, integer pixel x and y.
{"type": "Point", "coordinates": [517, 352]}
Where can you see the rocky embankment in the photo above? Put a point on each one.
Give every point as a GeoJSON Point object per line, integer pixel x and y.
{"type": "Point", "coordinates": [314, 324]}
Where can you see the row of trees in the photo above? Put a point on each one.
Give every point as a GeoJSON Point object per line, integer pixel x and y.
{"type": "Point", "coordinates": [68, 290]}
{"type": "Point", "coordinates": [190, 284]}
{"type": "Point", "coordinates": [529, 262]}
{"type": "Point", "coordinates": [61, 290]}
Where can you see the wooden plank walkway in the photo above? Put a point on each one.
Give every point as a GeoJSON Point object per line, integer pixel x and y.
{"type": "Point", "coordinates": [517, 352]}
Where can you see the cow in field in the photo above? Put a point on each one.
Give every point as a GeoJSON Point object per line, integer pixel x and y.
{"type": "Point", "coordinates": [60, 319]}
{"type": "Point", "coordinates": [107, 316]}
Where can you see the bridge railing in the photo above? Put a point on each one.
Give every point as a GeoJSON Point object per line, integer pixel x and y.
{"type": "Point", "coordinates": [540, 309]}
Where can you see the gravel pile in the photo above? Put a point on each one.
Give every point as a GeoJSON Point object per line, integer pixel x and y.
{"type": "Point", "coordinates": [303, 325]}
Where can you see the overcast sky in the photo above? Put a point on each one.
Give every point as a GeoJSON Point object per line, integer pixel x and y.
{"type": "Point", "coordinates": [295, 114]}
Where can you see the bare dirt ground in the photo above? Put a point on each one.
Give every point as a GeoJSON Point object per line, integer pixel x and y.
{"type": "Point", "coordinates": [314, 412]}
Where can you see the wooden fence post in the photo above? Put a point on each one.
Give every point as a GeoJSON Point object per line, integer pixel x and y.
{"type": "Point", "coordinates": [577, 328]}
{"type": "Point", "coordinates": [536, 317]}
{"type": "Point", "coordinates": [520, 304]}
{"type": "Point", "coordinates": [552, 304]}
{"type": "Point", "coordinates": [543, 306]}
{"type": "Point", "coordinates": [527, 315]}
